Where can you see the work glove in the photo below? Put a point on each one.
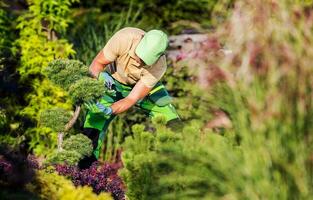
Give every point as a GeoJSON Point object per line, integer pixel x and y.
{"type": "Point", "coordinates": [108, 82]}
{"type": "Point", "coordinates": [98, 108]}
{"type": "Point", "coordinates": [107, 79]}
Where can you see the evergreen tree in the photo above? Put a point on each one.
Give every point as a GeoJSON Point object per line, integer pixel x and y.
{"type": "Point", "coordinates": [40, 28]}
{"type": "Point", "coordinates": [71, 76]}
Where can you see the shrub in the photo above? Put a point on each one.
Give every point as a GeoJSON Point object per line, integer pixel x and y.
{"type": "Point", "coordinates": [101, 178]}
{"type": "Point", "coordinates": [73, 76]}
{"type": "Point", "coordinates": [64, 72]}
{"type": "Point", "coordinates": [266, 154]}
{"type": "Point", "coordinates": [70, 157]}
{"type": "Point", "coordinates": [55, 118]}
{"type": "Point", "coordinates": [52, 186]}
{"type": "Point", "coordinates": [204, 165]}
{"type": "Point", "coordinates": [73, 150]}
{"type": "Point", "coordinates": [15, 169]}
{"type": "Point", "coordinates": [86, 89]}
{"type": "Point", "coordinates": [80, 143]}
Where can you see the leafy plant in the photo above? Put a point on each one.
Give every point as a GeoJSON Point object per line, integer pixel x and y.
{"type": "Point", "coordinates": [80, 143]}
{"type": "Point", "coordinates": [64, 72]}
{"type": "Point", "coordinates": [73, 150]}
{"type": "Point", "coordinates": [15, 169]}
{"type": "Point", "coordinates": [70, 157]}
{"type": "Point", "coordinates": [71, 75]}
{"type": "Point", "coordinates": [39, 44]}
{"type": "Point", "coordinates": [102, 179]}
{"type": "Point", "coordinates": [55, 118]}
{"type": "Point", "coordinates": [266, 153]}
{"type": "Point", "coordinates": [86, 89]}
{"type": "Point", "coordinates": [53, 186]}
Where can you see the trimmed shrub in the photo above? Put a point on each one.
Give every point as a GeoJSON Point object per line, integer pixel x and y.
{"type": "Point", "coordinates": [80, 143]}
{"type": "Point", "coordinates": [74, 149]}
{"type": "Point", "coordinates": [64, 72]}
{"type": "Point", "coordinates": [86, 89]}
{"type": "Point", "coordinates": [55, 118]}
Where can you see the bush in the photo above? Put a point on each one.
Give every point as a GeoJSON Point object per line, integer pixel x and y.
{"type": "Point", "coordinates": [101, 178]}
{"type": "Point", "coordinates": [86, 89]}
{"type": "Point", "coordinates": [55, 118]}
{"type": "Point", "coordinates": [205, 165]}
{"type": "Point", "coordinates": [15, 169]}
{"type": "Point", "coordinates": [64, 72]}
{"type": "Point", "coordinates": [81, 143]}
{"type": "Point", "coordinates": [73, 76]}
{"type": "Point", "coordinates": [52, 186]}
{"type": "Point", "coordinates": [71, 157]}
{"type": "Point", "coordinates": [266, 154]}
{"type": "Point", "coordinates": [74, 149]}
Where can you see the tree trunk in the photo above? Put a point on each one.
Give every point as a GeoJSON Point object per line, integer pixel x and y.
{"type": "Point", "coordinates": [68, 126]}
{"type": "Point", "coordinates": [71, 123]}
{"type": "Point", "coordinates": [60, 141]}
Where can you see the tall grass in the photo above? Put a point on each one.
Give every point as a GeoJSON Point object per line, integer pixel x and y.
{"type": "Point", "coordinates": [93, 37]}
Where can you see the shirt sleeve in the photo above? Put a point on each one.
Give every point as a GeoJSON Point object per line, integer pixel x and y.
{"type": "Point", "coordinates": [112, 48]}
{"type": "Point", "coordinates": [152, 75]}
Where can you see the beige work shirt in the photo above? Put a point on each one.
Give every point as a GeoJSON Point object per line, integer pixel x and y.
{"type": "Point", "coordinates": [121, 49]}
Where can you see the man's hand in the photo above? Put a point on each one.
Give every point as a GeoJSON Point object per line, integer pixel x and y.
{"type": "Point", "coordinates": [98, 108]}
{"type": "Point", "coordinates": [138, 92]}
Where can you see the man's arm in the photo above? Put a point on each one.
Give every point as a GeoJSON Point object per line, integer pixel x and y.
{"type": "Point", "coordinates": [143, 87]}
{"type": "Point", "coordinates": [138, 92]}
{"type": "Point", "coordinates": [98, 64]}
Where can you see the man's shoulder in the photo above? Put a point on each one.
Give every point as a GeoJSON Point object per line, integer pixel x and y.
{"type": "Point", "coordinates": [131, 31]}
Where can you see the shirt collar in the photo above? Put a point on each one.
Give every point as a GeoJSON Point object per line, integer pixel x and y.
{"type": "Point", "coordinates": [131, 52]}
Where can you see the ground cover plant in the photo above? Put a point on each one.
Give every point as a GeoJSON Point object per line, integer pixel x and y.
{"type": "Point", "coordinates": [21, 177]}
{"type": "Point", "coordinates": [101, 177]}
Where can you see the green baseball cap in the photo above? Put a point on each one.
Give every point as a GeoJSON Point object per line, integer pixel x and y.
{"type": "Point", "coordinates": [152, 46]}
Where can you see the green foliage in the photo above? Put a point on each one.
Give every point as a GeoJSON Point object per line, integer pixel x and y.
{"type": "Point", "coordinates": [74, 149]}
{"type": "Point", "coordinates": [3, 119]}
{"type": "Point", "coordinates": [189, 100]}
{"type": "Point", "coordinates": [55, 118]}
{"type": "Point", "coordinates": [70, 157]}
{"type": "Point", "coordinates": [266, 154]}
{"type": "Point", "coordinates": [64, 72]}
{"type": "Point", "coordinates": [11, 92]}
{"type": "Point", "coordinates": [80, 143]}
{"type": "Point", "coordinates": [159, 13]}
{"type": "Point", "coordinates": [86, 89]}
{"type": "Point", "coordinates": [138, 159]}
{"type": "Point", "coordinates": [5, 36]}
{"type": "Point", "coordinates": [198, 165]}
{"type": "Point", "coordinates": [52, 186]}
{"type": "Point", "coordinates": [38, 44]}
{"type": "Point", "coordinates": [72, 76]}
{"type": "Point", "coordinates": [90, 34]}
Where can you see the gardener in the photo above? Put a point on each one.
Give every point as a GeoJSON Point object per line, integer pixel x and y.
{"type": "Point", "coordinates": [130, 65]}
